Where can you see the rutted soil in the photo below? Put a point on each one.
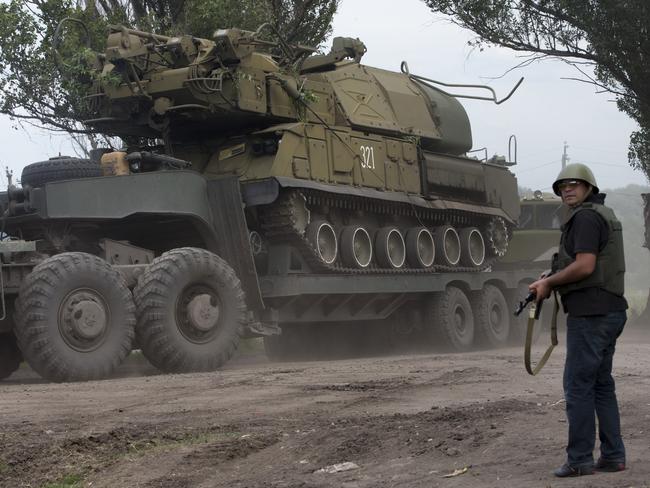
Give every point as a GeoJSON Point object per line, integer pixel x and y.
{"type": "Point", "coordinates": [370, 422]}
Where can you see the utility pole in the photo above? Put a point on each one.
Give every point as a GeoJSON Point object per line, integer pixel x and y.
{"type": "Point", "coordinates": [565, 157]}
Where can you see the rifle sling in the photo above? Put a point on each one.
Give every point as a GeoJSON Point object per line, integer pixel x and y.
{"type": "Point", "coordinates": [529, 339]}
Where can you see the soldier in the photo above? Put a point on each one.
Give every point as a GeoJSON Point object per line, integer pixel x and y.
{"type": "Point", "coordinates": [589, 271]}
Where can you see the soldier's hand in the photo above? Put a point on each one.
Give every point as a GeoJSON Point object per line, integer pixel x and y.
{"type": "Point", "coordinates": [541, 288]}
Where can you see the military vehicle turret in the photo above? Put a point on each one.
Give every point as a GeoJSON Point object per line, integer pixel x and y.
{"type": "Point", "coordinates": [243, 159]}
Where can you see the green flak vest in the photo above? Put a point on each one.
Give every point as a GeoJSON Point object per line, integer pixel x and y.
{"type": "Point", "coordinates": [610, 263]}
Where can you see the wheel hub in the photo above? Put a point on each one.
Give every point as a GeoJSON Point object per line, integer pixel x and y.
{"type": "Point", "coordinates": [88, 319]}
{"type": "Point", "coordinates": [198, 313]}
{"type": "Point", "coordinates": [203, 313]}
{"type": "Point", "coordinates": [459, 320]}
{"type": "Point", "coordinates": [496, 318]}
{"type": "Point", "coordinates": [83, 319]}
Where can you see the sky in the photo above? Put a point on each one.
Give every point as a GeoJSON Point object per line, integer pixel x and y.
{"type": "Point", "coordinates": [544, 113]}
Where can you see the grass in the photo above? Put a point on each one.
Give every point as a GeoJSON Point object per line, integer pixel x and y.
{"type": "Point", "coordinates": [139, 449]}
{"type": "Point", "coordinates": [68, 481]}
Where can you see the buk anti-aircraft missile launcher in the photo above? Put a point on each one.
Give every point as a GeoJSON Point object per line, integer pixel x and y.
{"type": "Point", "coordinates": [356, 167]}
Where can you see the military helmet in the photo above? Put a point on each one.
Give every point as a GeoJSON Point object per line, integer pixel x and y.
{"type": "Point", "coordinates": [576, 171]}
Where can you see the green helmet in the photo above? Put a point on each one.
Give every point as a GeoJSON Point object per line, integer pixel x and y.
{"type": "Point", "coordinates": [576, 171]}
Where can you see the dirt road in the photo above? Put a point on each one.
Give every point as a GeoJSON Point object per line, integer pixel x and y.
{"type": "Point", "coordinates": [399, 421]}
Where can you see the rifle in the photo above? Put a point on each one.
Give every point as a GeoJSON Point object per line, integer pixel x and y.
{"type": "Point", "coordinates": [524, 303]}
{"type": "Point", "coordinates": [531, 297]}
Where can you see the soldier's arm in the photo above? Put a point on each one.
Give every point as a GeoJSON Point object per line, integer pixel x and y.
{"type": "Point", "coordinates": [583, 266]}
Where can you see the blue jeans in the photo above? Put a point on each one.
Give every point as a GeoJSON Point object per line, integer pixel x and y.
{"type": "Point", "coordinates": [589, 388]}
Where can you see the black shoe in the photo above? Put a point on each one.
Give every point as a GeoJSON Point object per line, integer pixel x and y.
{"type": "Point", "coordinates": [609, 466]}
{"type": "Point", "coordinates": [567, 471]}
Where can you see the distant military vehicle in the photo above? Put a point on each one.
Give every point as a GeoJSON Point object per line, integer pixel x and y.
{"type": "Point", "coordinates": [537, 235]}
{"type": "Point", "coordinates": [248, 162]}
{"type": "Point", "coordinates": [533, 244]}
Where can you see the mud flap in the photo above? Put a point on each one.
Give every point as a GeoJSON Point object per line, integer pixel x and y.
{"type": "Point", "coordinates": [229, 222]}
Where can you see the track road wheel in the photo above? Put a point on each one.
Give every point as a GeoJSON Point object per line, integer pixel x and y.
{"type": "Point", "coordinates": [492, 317]}
{"type": "Point", "coordinates": [10, 356]}
{"type": "Point", "coordinates": [390, 248]}
{"type": "Point", "coordinates": [322, 237]}
{"type": "Point", "coordinates": [74, 318]}
{"type": "Point", "coordinates": [420, 249]}
{"type": "Point", "coordinates": [447, 244]}
{"type": "Point", "coordinates": [472, 247]}
{"type": "Point", "coordinates": [356, 247]}
{"type": "Point", "coordinates": [191, 311]}
{"type": "Point", "coordinates": [452, 319]}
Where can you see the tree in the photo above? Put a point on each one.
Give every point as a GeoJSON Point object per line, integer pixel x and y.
{"type": "Point", "coordinates": [610, 36]}
{"type": "Point", "coordinates": [34, 90]}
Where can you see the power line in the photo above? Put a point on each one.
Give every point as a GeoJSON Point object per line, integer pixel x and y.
{"type": "Point", "coordinates": [592, 148]}
{"type": "Point", "coordinates": [538, 167]}
{"type": "Point", "coordinates": [616, 165]}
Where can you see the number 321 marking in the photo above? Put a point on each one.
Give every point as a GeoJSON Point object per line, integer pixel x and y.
{"type": "Point", "coordinates": [367, 157]}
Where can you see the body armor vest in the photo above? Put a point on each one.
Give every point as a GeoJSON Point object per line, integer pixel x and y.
{"type": "Point", "coordinates": [610, 262]}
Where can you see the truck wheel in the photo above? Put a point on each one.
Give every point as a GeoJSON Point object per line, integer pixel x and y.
{"type": "Point", "coordinates": [57, 169]}
{"type": "Point", "coordinates": [191, 311]}
{"type": "Point", "coordinates": [74, 318]}
{"type": "Point", "coordinates": [492, 317]}
{"type": "Point", "coordinates": [10, 356]}
{"type": "Point", "coordinates": [453, 320]}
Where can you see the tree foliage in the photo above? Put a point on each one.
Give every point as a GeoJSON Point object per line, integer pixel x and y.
{"type": "Point", "coordinates": [610, 35]}
{"type": "Point", "coordinates": [32, 86]}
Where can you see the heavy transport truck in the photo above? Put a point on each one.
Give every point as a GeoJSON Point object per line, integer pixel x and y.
{"type": "Point", "coordinates": [260, 189]}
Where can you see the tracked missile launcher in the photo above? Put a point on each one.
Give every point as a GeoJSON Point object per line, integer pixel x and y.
{"type": "Point", "coordinates": [357, 168]}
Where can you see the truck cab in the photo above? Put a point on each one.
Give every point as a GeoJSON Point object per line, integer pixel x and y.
{"type": "Point", "coordinates": [537, 234]}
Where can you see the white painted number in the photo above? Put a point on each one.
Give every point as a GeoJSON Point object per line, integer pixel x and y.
{"type": "Point", "coordinates": [367, 157]}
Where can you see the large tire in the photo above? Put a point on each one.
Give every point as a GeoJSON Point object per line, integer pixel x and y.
{"type": "Point", "coordinates": [75, 318]}
{"type": "Point", "coordinates": [57, 169]}
{"type": "Point", "coordinates": [191, 311]}
{"type": "Point", "coordinates": [453, 319]}
{"type": "Point", "coordinates": [10, 356]}
{"type": "Point", "coordinates": [492, 317]}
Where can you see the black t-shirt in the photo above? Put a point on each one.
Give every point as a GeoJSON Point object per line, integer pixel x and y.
{"type": "Point", "coordinates": [588, 233]}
